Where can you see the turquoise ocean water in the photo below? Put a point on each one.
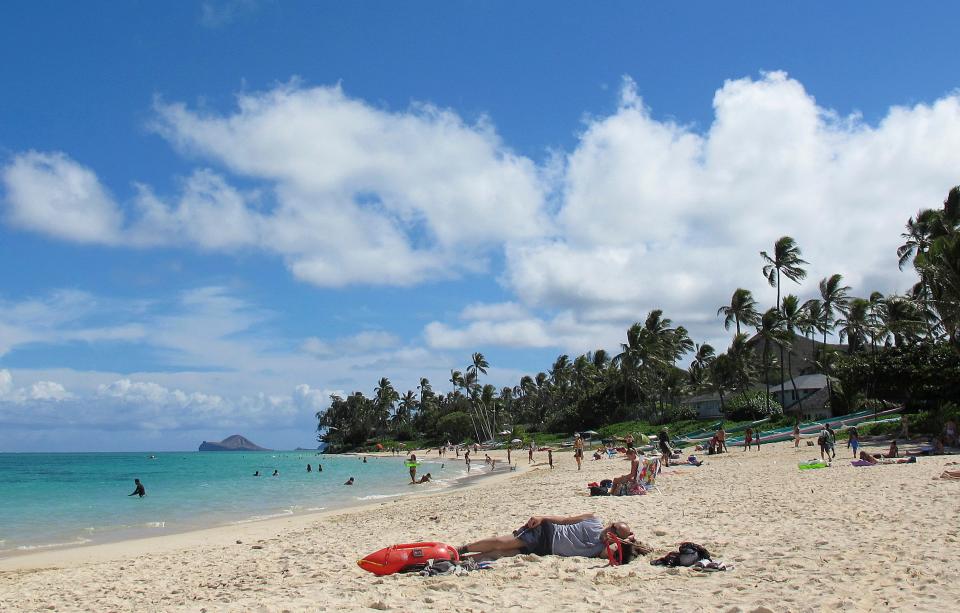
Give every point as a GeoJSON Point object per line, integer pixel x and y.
{"type": "Point", "coordinates": [50, 500]}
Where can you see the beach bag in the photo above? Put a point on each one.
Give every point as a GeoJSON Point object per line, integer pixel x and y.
{"type": "Point", "coordinates": [597, 490]}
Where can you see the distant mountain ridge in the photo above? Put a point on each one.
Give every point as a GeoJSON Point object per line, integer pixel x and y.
{"type": "Point", "coordinates": [235, 442]}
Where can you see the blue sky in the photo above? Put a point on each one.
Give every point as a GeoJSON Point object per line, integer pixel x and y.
{"type": "Point", "coordinates": [215, 214]}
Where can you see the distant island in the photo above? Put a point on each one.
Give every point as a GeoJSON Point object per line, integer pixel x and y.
{"type": "Point", "coordinates": [232, 443]}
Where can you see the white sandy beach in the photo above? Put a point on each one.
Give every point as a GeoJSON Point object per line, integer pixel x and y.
{"type": "Point", "coordinates": [842, 538]}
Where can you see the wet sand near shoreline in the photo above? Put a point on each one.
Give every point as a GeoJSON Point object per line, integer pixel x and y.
{"type": "Point", "coordinates": [839, 538]}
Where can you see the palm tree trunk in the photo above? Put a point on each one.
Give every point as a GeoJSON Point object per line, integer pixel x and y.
{"type": "Point", "coordinates": [792, 381]}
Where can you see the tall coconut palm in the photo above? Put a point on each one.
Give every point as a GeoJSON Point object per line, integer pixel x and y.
{"type": "Point", "coordinates": [384, 398]}
{"type": "Point", "coordinates": [855, 324]}
{"type": "Point", "coordinates": [479, 365]}
{"type": "Point", "coordinates": [771, 330]}
{"type": "Point", "coordinates": [786, 260]}
{"type": "Point", "coordinates": [834, 298]}
{"type": "Point", "coordinates": [742, 309]}
{"type": "Point", "coordinates": [792, 314]}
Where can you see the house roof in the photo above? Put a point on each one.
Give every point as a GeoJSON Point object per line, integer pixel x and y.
{"type": "Point", "coordinates": [804, 382]}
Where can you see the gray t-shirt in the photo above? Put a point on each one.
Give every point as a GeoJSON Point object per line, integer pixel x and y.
{"type": "Point", "coordinates": [579, 539]}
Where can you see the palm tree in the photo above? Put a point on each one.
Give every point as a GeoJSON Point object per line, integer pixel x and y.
{"type": "Point", "coordinates": [792, 314]}
{"type": "Point", "coordinates": [384, 397]}
{"type": "Point", "coordinates": [742, 309]}
{"type": "Point", "coordinates": [771, 330]}
{"type": "Point", "coordinates": [700, 365]}
{"type": "Point", "coordinates": [479, 365]}
{"type": "Point", "coordinates": [834, 301]}
{"type": "Point", "coordinates": [855, 326]}
{"type": "Point", "coordinates": [786, 260]}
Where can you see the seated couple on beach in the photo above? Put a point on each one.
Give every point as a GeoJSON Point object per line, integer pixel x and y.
{"type": "Point", "coordinates": [577, 535]}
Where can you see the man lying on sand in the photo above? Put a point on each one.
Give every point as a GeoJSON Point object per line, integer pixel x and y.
{"type": "Point", "coordinates": [577, 535]}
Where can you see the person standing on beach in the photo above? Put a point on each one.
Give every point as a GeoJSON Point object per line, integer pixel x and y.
{"type": "Point", "coordinates": [757, 439]}
{"type": "Point", "coordinates": [412, 464]}
{"type": "Point", "coordinates": [747, 438]}
{"type": "Point", "coordinates": [509, 447]}
{"type": "Point", "coordinates": [853, 442]}
{"type": "Point", "coordinates": [530, 453]}
{"type": "Point", "coordinates": [578, 451]}
{"type": "Point", "coordinates": [663, 440]}
{"type": "Point", "coordinates": [550, 457]}
{"type": "Point", "coordinates": [138, 490]}
{"type": "Point", "coordinates": [722, 440]}
{"type": "Point", "coordinates": [466, 458]}
{"type": "Point", "coordinates": [796, 435]}
{"type": "Point", "coordinates": [833, 441]}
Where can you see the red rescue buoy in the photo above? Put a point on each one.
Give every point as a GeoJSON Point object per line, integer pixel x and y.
{"type": "Point", "coordinates": [409, 556]}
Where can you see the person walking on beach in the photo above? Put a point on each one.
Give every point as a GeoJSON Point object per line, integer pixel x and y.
{"type": "Point", "coordinates": [509, 447]}
{"type": "Point", "coordinates": [823, 440]}
{"type": "Point", "coordinates": [578, 451]}
{"type": "Point", "coordinates": [138, 490]}
{"type": "Point", "coordinates": [796, 435]}
{"type": "Point", "coordinates": [550, 457]}
{"type": "Point", "coordinates": [466, 458]}
{"type": "Point", "coordinates": [412, 465]}
{"type": "Point", "coordinates": [833, 440]}
{"type": "Point", "coordinates": [756, 439]}
{"type": "Point", "coordinates": [530, 453]}
{"type": "Point", "coordinates": [663, 440]}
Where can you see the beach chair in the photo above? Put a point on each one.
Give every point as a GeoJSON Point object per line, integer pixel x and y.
{"type": "Point", "coordinates": [646, 480]}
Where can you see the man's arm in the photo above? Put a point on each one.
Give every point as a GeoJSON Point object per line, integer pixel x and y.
{"type": "Point", "coordinates": [556, 519]}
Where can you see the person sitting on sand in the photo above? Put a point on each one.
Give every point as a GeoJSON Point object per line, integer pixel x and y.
{"type": "Point", "coordinates": [577, 535]}
{"type": "Point", "coordinates": [349, 481]}
{"type": "Point", "coordinates": [894, 452]}
{"type": "Point", "coordinates": [596, 455]}
{"type": "Point", "coordinates": [424, 479]}
{"type": "Point", "coordinates": [138, 490]}
{"type": "Point", "coordinates": [631, 476]}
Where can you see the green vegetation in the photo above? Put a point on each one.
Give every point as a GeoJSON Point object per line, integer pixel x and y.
{"type": "Point", "coordinates": [900, 349]}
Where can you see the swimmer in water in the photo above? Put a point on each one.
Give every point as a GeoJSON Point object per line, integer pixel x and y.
{"type": "Point", "coordinates": [276, 473]}
{"type": "Point", "coordinates": [256, 474]}
{"type": "Point", "coordinates": [138, 491]}
{"type": "Point", "coordinates": [309, 469]}
{"type": "Point", "coordinates": [349, 481]}
{"type": "Point", "coordinates": [319, 468]}
{"type": "Point", "coordinates": [364, 459]}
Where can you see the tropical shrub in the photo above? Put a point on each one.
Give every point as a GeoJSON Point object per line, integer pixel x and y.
{"type": "Point", "coordinates": [752, 406]}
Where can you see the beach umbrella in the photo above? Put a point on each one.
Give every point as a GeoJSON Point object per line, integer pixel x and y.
{"type": "Point", "coordinates": [516, 440]}
{"type": "Point", "coordinates": [590, 433]}
{"type": "Point", "coordinates": [505, 433]}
